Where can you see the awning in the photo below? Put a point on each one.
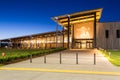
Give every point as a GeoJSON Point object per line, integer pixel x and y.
{"type": "Point", "coordinates": [77, 17]}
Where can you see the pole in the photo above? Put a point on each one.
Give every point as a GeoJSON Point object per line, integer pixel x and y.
{"type": "Point", "coordinates": [94, 59]}
{"type": "Point", "coordinates": [61, 38]}
{"type": "Point", "coordinates": [30, 57]}
{"type": "Point", "coordinates": [57, 32]}
{"type": "Point", "coordinates": [94, 30]}
{"type": "Point", "coordinates": [60, 58]}
{"type": "Point", "coordinates": [30, 49]}
{"type": "Point", "coordinates": [68, 32]}
{"type": "Point", "coordinates": [76, 58]}
{"type": "Point", "coordinates": [46, 42]}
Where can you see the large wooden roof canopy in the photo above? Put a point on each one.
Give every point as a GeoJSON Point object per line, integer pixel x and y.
{"type": "Point", "coordinates": [78, 17]}
{"type": "Point", "coordinates": [46, 34]}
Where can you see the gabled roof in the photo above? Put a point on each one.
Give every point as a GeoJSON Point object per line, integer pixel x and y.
{"type": "Point", "coordinates": [78, 17]}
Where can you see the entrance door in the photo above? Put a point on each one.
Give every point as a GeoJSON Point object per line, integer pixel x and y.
{"type": "Point", "coordinates": [89, 45]}
{"type": "Point", "coordinates": [83, 44]}
{"type": "Point", "coordinates": [78, 45]}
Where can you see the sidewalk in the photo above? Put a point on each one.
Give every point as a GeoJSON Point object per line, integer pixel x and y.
{"type": "Point", "coordinates": [85, 66]}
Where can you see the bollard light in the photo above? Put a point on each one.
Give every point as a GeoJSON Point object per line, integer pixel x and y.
{"type": "Point", "coordinates": [76, 58]}
{"type": "Point", "coordinates": [3, 54]}
{"type": "Point", "coordinates": [45, 58]}
{"type": "Point", "coordinates": [105, 51]}
{"type": "Point", "coordinates": [60, 58]}
{"type": "Point", "coordinates": [94, 59]}
{"type": "Point", "coordinates": [109, 54]}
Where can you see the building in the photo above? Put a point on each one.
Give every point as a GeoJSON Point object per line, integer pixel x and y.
{"type": "Point", "coordinates": [80, 30]}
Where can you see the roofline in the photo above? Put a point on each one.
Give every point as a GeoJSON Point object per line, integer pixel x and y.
{"type": "Point", "coordinates": [44, 33]}
{"type": "Point", "coordinates": [110, 22]}
{"type": "Point", "coordinates": [75, 13]}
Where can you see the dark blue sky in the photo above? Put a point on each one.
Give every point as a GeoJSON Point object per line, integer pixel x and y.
{"type": "Point", "coordinates": [24, 17]}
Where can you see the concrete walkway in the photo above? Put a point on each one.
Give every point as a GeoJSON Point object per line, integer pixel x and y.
{"type": "Point", "coordinates": [68, 70]}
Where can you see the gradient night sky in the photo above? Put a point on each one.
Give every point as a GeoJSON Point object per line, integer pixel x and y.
{"type": "Point", "coordinates": [24, 17]}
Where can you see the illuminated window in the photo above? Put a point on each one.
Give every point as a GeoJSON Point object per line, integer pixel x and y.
{"type": "Point", "coordinates": [117, 33]}
{"type": "Point", "coordinates": [107, 33]}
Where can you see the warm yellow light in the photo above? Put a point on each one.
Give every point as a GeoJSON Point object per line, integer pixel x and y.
{"type": "Point", "coordinates": [84, 33]}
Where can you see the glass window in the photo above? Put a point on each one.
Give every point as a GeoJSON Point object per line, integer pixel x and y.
{"type": "Point", "coordinates": [107, 33]}
{"type": "Point", "coordinates": [118, 33]}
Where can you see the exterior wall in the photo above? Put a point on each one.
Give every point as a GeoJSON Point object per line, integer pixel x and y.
{"type": "Point", "coordinates": [108, 43]}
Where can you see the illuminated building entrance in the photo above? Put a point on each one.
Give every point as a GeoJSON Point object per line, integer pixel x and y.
{"type": "Point", "coordinates": [83, 35]}
{"type": "Point", "coordinates": [80, 28]}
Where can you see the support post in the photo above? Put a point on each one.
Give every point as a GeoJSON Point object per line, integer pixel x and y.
{"type": "Point", "coordinates": [50, 42]}
{"type": "Point", "coordinates": [95, 30]}
{"type": "Point", "coordinates": [56, 32]}
{"type": "Point", "coordinates": [73, 37]}
{"type": "Point", "coordinates": [30, 48]}
{"type": "Point", "coordinates": [63, 37]}
{"type": "Point", "coordinates": [36, 43]}
{"type": "Point", "coordinates": [68, 32]}
{"type": "Point", "coordinates": [46, 42]}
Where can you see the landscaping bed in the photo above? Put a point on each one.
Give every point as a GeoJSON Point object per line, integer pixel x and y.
{"type": "Point", "coordinates": [17, 55]}
{"type": "Point", "coordinates": [113, 56]}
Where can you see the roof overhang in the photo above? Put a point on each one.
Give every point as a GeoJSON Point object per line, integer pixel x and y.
{"type": "Point", "coordinates": [78, 17]}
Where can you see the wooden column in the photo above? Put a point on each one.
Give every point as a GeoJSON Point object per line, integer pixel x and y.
{"type": "Point", "coordinates": [73, 37]}
{"type": "Point", "coordinates": [30, 42]}
{"type": "Point", "coordinates": [57, 32]}
{"type": "Point", "coordinates": [50, 41]}
{"type": "Point", "coordinates": [54, 40]}
{"type": "Point", "coordinates": [63, 37]}
{"type": "Point", "coordinates": [68, 32]}
{"type": "Point", "coordinates": [36, 42]}
{"type": "Point", "coordinates": [95, 30]}
{"type": "Point", "coordinates": [20, 43]}
{"type": "Point", "coordinates": [46, 42]}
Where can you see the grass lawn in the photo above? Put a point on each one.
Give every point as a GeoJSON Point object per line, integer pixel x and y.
{"type": "Point", "coordinates": [114, 57]}
{"type": "Point", "coordinates": [15, 55]}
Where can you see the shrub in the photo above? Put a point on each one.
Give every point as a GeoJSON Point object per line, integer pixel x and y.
{"type": "Point", "coordinates": [14, 54]}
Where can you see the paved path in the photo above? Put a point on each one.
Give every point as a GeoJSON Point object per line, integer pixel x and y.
{"type": "Point", "coordinates": [68, 70]}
